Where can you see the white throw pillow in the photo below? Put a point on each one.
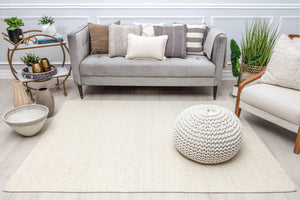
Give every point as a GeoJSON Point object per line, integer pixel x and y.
{"type": "Point", "coordinates": [148, 29]}
{"type": "Point", "coordinates": [142, 47]}
{"type": "Point", "coordinates": [284, 66]}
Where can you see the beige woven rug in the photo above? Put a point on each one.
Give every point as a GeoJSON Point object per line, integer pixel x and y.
{"type": "Point", "coordinates": [126, 146]}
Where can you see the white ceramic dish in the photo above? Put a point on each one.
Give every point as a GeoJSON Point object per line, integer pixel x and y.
{"type": "Point", "coordinates": [27, 120]}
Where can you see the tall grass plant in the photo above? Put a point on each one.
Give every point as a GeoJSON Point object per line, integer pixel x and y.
{"type": "Point", "coordinates": [259, 39]}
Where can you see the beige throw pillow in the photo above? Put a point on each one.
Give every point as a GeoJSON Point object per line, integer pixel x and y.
{"type": "Point", "coordinates": [118, 39]}
{"type": "Point", "coordinates": [284, 66]}
{"type": "Point", "coordinates": [143, 47]}
{"type": "Point", "coordinates": [99, 37]}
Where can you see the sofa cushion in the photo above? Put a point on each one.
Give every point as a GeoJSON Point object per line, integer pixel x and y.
{"type": "Point", "coordinates": [279, 101]}
{"type": "Point", "coordinates": [102, 65]}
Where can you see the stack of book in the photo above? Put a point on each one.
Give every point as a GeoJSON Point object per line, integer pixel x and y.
{"type": "Point", "coordinates": [46, 40]}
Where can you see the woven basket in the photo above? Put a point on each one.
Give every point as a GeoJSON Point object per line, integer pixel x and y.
{"type": "Point", "coordinates": [253, 69]}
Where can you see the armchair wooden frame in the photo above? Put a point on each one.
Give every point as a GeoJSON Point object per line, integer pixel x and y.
{"type": "Point", "coordinates": [249, 80]}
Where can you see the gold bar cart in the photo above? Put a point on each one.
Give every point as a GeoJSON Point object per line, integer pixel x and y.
{"type": "Point", "coordinates": [62, 71]}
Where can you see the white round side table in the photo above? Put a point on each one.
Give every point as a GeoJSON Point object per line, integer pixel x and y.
{"type": "Point", "coordinates": [207, 134]}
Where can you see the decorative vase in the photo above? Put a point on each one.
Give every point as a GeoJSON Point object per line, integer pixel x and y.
{"type": "Point", "coordinates": [20, 96]}
{"type": "Point", "coordinates": [49, 29]}
{"type": "Point", "coordinates": [37, 68]}
{"type": "Point", "coordinates": [45, 64]}
{"type": "Point", "coordinates": [15, 35]}
{"type": "Point", "coordinates": [234, 90]}
{"type": "Point", "coordinates": [45, 97]}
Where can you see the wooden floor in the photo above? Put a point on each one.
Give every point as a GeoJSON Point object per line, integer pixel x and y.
{"type": "Point", "coordinates": [14, 148]}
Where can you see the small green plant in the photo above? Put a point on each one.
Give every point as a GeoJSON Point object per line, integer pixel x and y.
{"type": "Point", "coordinates": [13, 23]}
{"type": "Point", "coordinates": [46, 20]}
{"type": "Point", "coordinates": [30, 58]}
{"type": "Point", "coordinates": [259, 38]}
{"type": "Point", "coordinates": [235, 56]}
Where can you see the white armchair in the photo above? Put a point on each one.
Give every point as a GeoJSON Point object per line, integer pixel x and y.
{"type": "Point", "coordinates": [280, 105]}
{"type": "Point", "coordinates": [274, 103]}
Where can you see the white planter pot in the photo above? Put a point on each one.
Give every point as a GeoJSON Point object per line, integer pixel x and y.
{"type": "Point", "coordinates": [49, 29]}
{"type": "Point", "coordinates": [234, 90]}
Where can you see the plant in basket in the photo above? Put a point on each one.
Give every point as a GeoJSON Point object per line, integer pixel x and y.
{"type": "Point", "coordinates": [32, 62]}
{"type": "Point", "coordinates": [259, 39]}
{"type": "Point", "coordinates": [14, 30]}
{"type": "Point", "coordinates": [237, 71]}
{"type": "Point", "coordinates": [47, 25]}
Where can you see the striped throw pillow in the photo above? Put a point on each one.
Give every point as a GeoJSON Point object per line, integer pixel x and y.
{"type": "Point", "coordinates": [194, 38]}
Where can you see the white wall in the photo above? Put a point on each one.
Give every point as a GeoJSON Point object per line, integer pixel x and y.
{"type": "Point", "coordinates": [229, 15]}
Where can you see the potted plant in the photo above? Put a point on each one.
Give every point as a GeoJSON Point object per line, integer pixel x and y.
{"type": "Point", "coordinates": [32, 60]}
{"type": "Point", "coordinates": [47, 25]}
{"type": "Point", "coordinates": [237, 71]}
{"type": "Point", "coordinates": [259, 39]}
{"type": "Point", "coordinates": [14, 31]}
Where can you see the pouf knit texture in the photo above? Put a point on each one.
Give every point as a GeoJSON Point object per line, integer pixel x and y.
{"type": "Point", "coordinates": [207, 134]}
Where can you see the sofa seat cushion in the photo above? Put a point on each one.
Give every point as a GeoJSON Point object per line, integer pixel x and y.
{"type": "Point", "coordinates": [279, 101]}
{"type": "Point", "coordinates": [102, 65]}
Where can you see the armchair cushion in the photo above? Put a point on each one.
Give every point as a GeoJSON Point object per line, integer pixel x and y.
{"type": "Point", "coordinates": [279, 101]}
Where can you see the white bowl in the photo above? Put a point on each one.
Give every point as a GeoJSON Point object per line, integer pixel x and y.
{"type": "Point", "coordinates": [27, 120]}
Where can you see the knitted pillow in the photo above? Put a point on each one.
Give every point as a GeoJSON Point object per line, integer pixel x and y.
{"type": "Point", "coordinates": [284, 66]}
{"type": "Point", "coordinates": [176, 45]}
{"type": "Point", "coordinates": [118, 39]}
{"type": "Point", "coordinates": [99, 37]}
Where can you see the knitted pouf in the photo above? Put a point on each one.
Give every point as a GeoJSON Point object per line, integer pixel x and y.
{"type": "Point", "coordinates": [207, 134]}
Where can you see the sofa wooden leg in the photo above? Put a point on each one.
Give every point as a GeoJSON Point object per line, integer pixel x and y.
{"type": "Point", "coordinates": [80, 91]}
{"type": "Point", "coordinates": [297, 144]}
{"type": "Point", "coordinates": [215, 88]}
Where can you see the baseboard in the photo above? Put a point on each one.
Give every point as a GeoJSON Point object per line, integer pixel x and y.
{"type": "Point", "coordinates": [6, 74]}
{"type": "Point", "coordinates": [227, 75]}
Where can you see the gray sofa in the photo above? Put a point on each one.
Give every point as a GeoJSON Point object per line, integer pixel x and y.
{"type": "Point", "coordinates": [99, 69]}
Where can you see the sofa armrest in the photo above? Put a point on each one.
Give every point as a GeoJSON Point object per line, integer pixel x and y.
{"type": "Point", "coordinates": [218, 56]}
{"type": "Point", "coordinates": [79, 45]}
